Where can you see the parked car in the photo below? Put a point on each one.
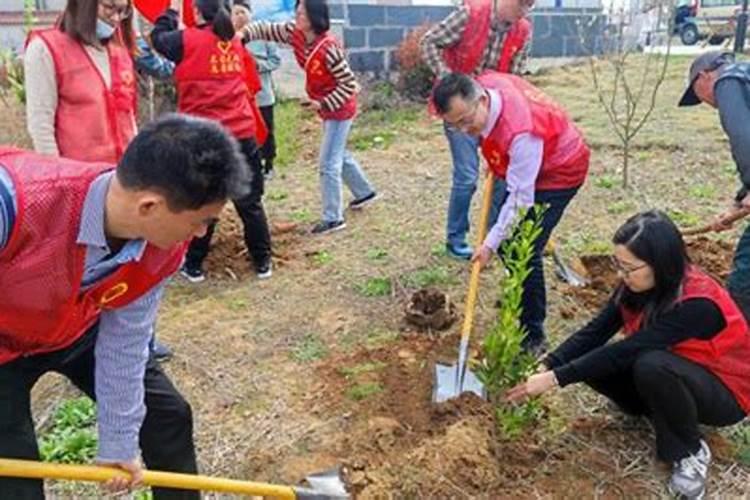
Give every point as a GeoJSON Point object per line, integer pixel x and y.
{"type": "Point", "coordinates": [701, 19]}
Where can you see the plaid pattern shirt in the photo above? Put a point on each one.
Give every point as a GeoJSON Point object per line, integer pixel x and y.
{"type": "Point", "coordinates": [449, 32]}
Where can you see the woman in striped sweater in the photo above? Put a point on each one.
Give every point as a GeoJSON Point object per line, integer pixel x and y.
{"type": "Point", "coordinates": [331, 89]}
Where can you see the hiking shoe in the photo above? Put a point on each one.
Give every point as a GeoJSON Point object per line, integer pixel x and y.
{"type": "Point", "coordinates": [324, 227]}
{"type": "Point", "coordinates": [364, 201]}
{"type": "Point", "coordinates": [689, 475]}
{"type": "Point", "coordinates": [264, 270]}
{"type": "Point", "coordinates": [192, 274]}
{"type": "Point", "coordinates": [160, 351]}
{"type": "Point", "coordinates": [459, 252]}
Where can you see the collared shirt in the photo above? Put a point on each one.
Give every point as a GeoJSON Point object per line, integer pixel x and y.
{"type": "Point", "coordinates": [526, 154]}
{"type": "Point", "coordinates": [122, 345]}
{"type": "Point", "coordinates": [449, 32]}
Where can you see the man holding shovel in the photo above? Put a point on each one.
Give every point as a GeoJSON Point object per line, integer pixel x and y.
{"type": "Point", "coordinates": [717, 80]}
{"type": "Point", "coordinates": [85, 252]}
{"type": "Point", "coordinates": [480, 35]}
{"type": "Point", "coordinates": [529, 142]}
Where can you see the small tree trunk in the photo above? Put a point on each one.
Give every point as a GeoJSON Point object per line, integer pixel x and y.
{"type": "Point", "coordinates": [625, 159]}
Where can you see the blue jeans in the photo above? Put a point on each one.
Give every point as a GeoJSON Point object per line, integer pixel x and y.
{"type": "Point", "coordinates": [337, 163]}
{"type": "Point", "coordinates": [739, 280]}
{"type": "Point", "coordinates": [465, 174]}
{"type": "Point", "coordinates": [534, 299]}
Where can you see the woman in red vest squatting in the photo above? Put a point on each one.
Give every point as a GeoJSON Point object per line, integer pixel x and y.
{"type": "Point", "coordinates": [529, 142]}
{"type": "Point", "coordinates": [212, 83]}
{"type": "Point", "coordinates": [331, 88]}
{"type": "Point", "coordinates": [684, 358]}
{"type": "Point", "coordinates": [80, 82]}
{"type": "Point", "coordinates": [479, 35]}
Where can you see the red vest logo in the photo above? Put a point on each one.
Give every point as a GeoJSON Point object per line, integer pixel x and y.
{"type": "Point", "coordinates": [113, 293]}
{"type": "Point", "coordinates": [226, 62]}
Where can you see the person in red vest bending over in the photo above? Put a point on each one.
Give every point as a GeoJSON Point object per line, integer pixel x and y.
{"type": "Point", "coordinates": [480, 35]}
{"type": "Point", "coordinates": [80, 82]}
{"type": "Point", "coordinates": [529, 142]}
{"type": "Point", "coordinates": [683, 360]}
{"type": "Point", "coordinates": [331, 88]}
{"type": "Point", "coordinates": [211, 83]}
{"type": "Point", "coordinates": [85, 253]}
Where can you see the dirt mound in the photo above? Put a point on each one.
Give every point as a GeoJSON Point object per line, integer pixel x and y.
{"type": "Point", "coordinates": [713, 256]}
{"type": "Point", "coordinates": [431, 309]}
{"type": "Point", "coordinates": [229, 257]}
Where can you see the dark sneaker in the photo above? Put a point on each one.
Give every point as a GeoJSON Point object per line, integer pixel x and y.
{"type": "Point", "coordinates": [536, 349]}
{"type": "Point", "coordinates": [324, 227]}
{"type": "Point", "coordinates": [265, 270]}
{"type": "Point", "coordinates": [268, 175]}
{"type": "Point", "coordinates": [193, 274]}
{"type": "Point", "coordinates": [460, 252]}
{"type": "Point", "coordinates": [160, 351]}
{"type": "Point", "coordinates": [363, 202]}
{"type": "Point", "coordinates": [689, 475]}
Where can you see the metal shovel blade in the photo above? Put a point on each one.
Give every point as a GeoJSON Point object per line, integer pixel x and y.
{"type": "Point", "coordinates": [451, 383]}
{"type": "Point", "coordinates": [326, 485]}
{"type": "Point", "coordinates": [565, 273]}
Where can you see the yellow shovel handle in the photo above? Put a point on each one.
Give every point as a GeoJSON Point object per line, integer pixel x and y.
{"type": "Point", "coordinates": [39, 470]}
{"type": "Point", "coordinates": [476, 269]}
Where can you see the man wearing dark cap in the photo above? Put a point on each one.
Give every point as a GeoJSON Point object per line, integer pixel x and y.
{"type": "Point", "coordinates": [717, 80]}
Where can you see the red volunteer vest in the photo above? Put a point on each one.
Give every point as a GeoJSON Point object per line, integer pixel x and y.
{"type": "Point", "coordinates": [43, 307]}
{"type": "Point", "coordinates": [211, 81]}
{"type": "Point", "coordinates": [465, 56]}
{"type": "Point", "coordinates": [92, 122]}
{"type": "Point", "coordinates": [525, 109]}
{"type": "Point", "coordinates": [319, 81]}
{"type": "Point", "coordinates": [726, 355]}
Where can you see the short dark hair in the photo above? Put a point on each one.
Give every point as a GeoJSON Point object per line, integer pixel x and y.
{"type": "Point", "coordinates": [452, 85]}
{"type": "Point", "coordinates": [190, 161]}
{"type": "Point", "coordinates": [654, 238]}
{"type": "Point", "coordinates": [79, 22]}
{"type": "Point", "coordinates": [317, 13]}
{"type": "Point", "coordinates": [218, 13]}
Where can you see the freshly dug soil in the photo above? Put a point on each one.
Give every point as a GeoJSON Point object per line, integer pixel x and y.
{"type": "Point", "coordinates": [431, 309]}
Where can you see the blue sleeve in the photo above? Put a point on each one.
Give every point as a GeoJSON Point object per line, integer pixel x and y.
{"type": "Point", "coordinates": [121, 353]}
{"type": "Point", "coordinates": [7, 207]}
{"type": "Point", "coordinates": [151, 64]}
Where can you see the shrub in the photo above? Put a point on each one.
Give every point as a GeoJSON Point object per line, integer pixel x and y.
{"type": "Point", "coordinates": [415, 77]}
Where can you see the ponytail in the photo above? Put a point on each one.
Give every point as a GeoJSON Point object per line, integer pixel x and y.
{"type": "Point", "coordinates": [217, 13]}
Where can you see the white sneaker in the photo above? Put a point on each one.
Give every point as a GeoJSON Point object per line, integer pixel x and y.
{"type": "Point", "coordinates": [689, 475]}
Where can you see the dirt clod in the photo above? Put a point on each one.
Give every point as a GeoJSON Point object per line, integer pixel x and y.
{"type": "Point", "coordinates": [430, 308]}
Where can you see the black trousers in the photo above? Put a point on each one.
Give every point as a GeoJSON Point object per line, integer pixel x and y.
{"type": "Point", "coordinates": [166, 437]}
{"type": "Point", "coordinates": [677, 395]}
{"type": "Point", "coordinates": [251, 212]}
{"type": "Point", "coordinates": [268, 151]}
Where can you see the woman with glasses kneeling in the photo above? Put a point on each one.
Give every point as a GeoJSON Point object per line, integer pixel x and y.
{"type": "Point", "coordinates": [684, 358]}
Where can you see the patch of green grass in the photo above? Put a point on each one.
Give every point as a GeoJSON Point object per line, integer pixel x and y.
{"type": "Point", "coordinates": [377, 253]}
{"type": "Point", "coordinates": [237, 304]}
{"type": "Point", "coordinates": [704, 191]}
{"type": "Point", "coordinates": [277, 195]}
{"type": "Point", "coordinates": [356, 370]}
{"type": "Point", "coordinates": [322, 257]}
{"type": "Point", "coordinates": [682, 218]}
{"type": "Point", "coordinates": [436, 275]}
{"type": "Point", "coordinates": [620, 207]}
{"type": "Point", "coordinates": [381, 139]}
{"type": "Point", "coordinates": [400, 117]}
{"type": "Point", "coordinates": [740, 437]}
{"type": "Point", "coordinates": [303, 216]}
{"type": "Point", "coordinates": [380, 337]}
{"type": "Point", "coordinates": [287, 119]}
{"type": "Point", "coordinates": [375, 287]}
{"type": "Point", "coordinates": [438, 250]}
{"type": "Point", "coordinates": [72, 438]}
{"type": "Point", "coordinates": [358, 392]}
{"type": "Point", "coordinates": [309, 348]}
{"type": "Point", "coordinates": [605, 181]}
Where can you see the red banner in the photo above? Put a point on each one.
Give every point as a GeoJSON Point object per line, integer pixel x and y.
{"type": "Point", "coordinates": [151, 9]}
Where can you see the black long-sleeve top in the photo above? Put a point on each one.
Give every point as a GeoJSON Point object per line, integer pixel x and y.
{"type": "Point", "coordinates": [586, 355]}
{"type": "Point", "coordinates": [166, 36]}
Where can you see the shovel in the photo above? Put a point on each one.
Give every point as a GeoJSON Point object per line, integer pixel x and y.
{"type": "Point", "coordinates": [563, 271]}
{"type": "Point", "coordinates": [707, 228]}
{"type": "Point", "coordinates": [323, 486]}
{"type": "Point", "coordinates": [452, 380]}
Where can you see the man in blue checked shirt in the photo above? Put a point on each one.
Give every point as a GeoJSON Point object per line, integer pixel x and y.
{"type": "Point", "coordinates": [85, 251]}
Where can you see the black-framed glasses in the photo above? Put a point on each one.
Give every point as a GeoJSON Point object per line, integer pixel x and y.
{"type": "Point", "coordinates": [111, 10]}
{"type": "Point", "coordinates": [626, 270]}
